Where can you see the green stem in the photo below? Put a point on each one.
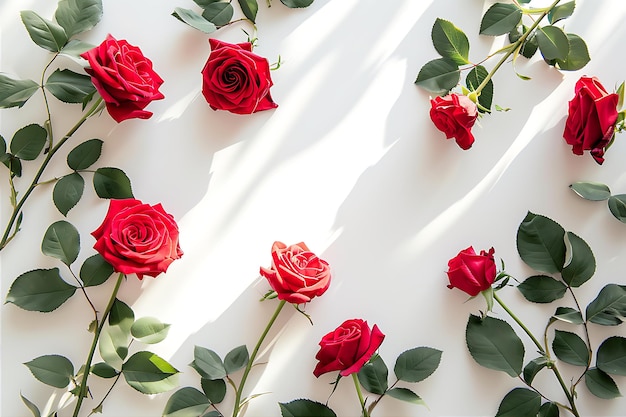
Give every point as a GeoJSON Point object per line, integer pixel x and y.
{"type": "Point", "coordinates": [82, 392]}
{"type": "Point", "coordinates": [239, 391]}
{"type": "Point", "coordinates": [517, 44]}
{"type": "Point", "coordinates": [555, 370]}
{"type": "Point", "coordinates": [6, 237]}
{"type": "Point", "coordinates": [357, 385]}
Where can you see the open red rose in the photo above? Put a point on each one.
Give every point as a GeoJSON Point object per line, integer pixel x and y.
{"type": "Point", "coordinates": [137, 238]}
{"type": "Point", "coordinates": [124, 78]}
{"type": "Point", "coordinates": [347, 348]}
{"type": "Point", "coordinates": [455, 115]}
{"type": "Point", "coordinates": [470, 272]}
{"type": "Point", "coordinates": [297, 274]}
{"type": "Point", "coordinates": [236, 79]}
{"type": "Point", "coordinates": [591, 118]}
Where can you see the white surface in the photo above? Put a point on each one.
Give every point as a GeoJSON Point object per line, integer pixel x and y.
{"type": "Point", "coordinates": [349, 163]}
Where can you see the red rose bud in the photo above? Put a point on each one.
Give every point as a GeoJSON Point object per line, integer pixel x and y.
{"type": "Point", "coordinates": [591, 118]}
{"type": "Point", "coordinates": [235, 79]}
{"type": "Point", "coordinates": [124, 78]}
{"type": "Point", "coordinates": [470, 272]}
{"type": "Point", "coordinates": [347, 348]}
{"type": "Point", "coordinates": [137, 238]}
{"type": "Point", "coordinates": [455, 115]}
{"type": "Point", "coordinates": [297, 274]}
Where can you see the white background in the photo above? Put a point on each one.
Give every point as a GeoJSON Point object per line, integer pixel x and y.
{"type": "Point", "coordinates": [350, 164]}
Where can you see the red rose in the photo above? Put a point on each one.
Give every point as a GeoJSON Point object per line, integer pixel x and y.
{"type": "Point", "coordinates": [235, 79]}
{"type": "Point", "coordinates": [137, 238]}
{"type": "Point", "coordinates": [455, 115]}
{"type": "Point", "coordinates": [347, 348]}
{"type": "Point", "coordinates": [470, 272]}
{"type": "Point", "coordinates": [591, 118]}
{"type": "Point", "coordinates": [297, 274]}
{"type": "Point", "coordinates": [124, 78]}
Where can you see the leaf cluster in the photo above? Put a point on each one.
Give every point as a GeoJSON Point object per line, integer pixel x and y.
{"type": "Point", "coordinates": [595, 191]}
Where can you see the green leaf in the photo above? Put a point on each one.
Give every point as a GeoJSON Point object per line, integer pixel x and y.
{"type": "Point", "coordinates": [103, 370]}
{"type": "Point", "coordinates": [580, 264]}
{"type": "Point", "coordinates": [112, 183]}
{"type": "Point", "coordinates": [548, 409]}
{"type": "Point", "coordinates": [115, 337]}
{"type": "Point", "coordinates": [69, 86]}
{"type": "Point", "coordinates": [530, 46]}
{"type": "Point", "coordinates": [74, 48]}
{"type": "Point", "coordinates": [67, 192]}
{"type": "Point", "coordinates": [31, 406]}
{"type": "Point", "coordinates": [40, 290]}
{"type": "Point", "coordinates": [474, 78]}
{"type": "Point", "coordinates": [194, 20]}
{"type": "Point", "coordinates": [3, 146]}
{"type": "Point", "coordinates": [77, 16]}
{"type": "Point", "coordinates": [43, 32]}
{"type": "Point", "coordinates": [249, 8]}
{"type": "Point", "coordinates": [186, 402]}
{"type": "Point", "coordinates": [601, 384]}
{"type": "Point", "coordinates": [296, 4]}
{"type": "Point", "coordinates": [219, 13]}
{"type": "Point", "coordinates": [542, 289]}
{"type": "Point", "coordinates": [593, 191]}
{"type": "Point", "coordinates": [14, 93]}
{"type": "Point", "coordinates": [236, 359]}
{"type": "Point", "coordinates": [14, 164]}
{"type": "Point", "coordinates": [568, 315]}
{"type": "Point", "coordinates": [61, 241]}
{"type": "Point", "coordinates": [607, 308]}
{"type": "Point", "coordinates": [519, 402]}
{"type": "Point", "coordinates": [533, 367]}
{"type": "Point", "coordinates": [214, 389]}
{"type": "Point", "coordinates": [85, 154]}
{"type": "Point", "coordinates": [617, 206]}
{"type": "Point", "coordinates": [500, 19]}
{"type": "Point", "coordinates": [149, 330]}
{"type": "Point", "coordinates": [95, 271]}
{"type": "Point", "coordinates": [561, 11]}
{"type": "Point", "coordinates": [438, 76]}
{"type": "Point", "coordinates": [305, 408]}
{"type": "Point", "coordinates": [540, 243]}
{"type": "Point", "coordinates": [208, 363]}
{"type": "Point", "coordinates": [28, 142]}
{"type": "Point", "coordinates": [493, 344]}
{"type": "Point", "coordinates": [149, 374]}
{"type": "Point", "coordinates": [417, 364]}
{"type": "Point", "coordinates": [205, 3]}
{"type": "Point", "coordinates": [121, 315]}
{"type": "Point", "coordinates": [612, 356]}
{"type": "Point", "coordinates": [406, 395]}
{"type": "Point", "coordinates": [570, 348]}
{"type": "Point", "coordinates": [373, 375]}
{"type": "Point", "coordinates": [450, 41]}
{"type": "Point", "coordinates": [553, 42]}
{"type": "Point", "coordinates": [578, 55]}
{"type": "Point", "coordinates": [53, 370]}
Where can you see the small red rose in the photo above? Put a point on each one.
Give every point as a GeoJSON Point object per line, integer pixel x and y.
{"type": "Point", "coordinates": [124, 78]}
{"type": "Point", "coordinates": [455, 115]}
{"type": "Point", "coordinates": [236, 79]}
{"type": "Point", "coordinates": [297, 274]}
{"type": "Point", "coordinates": [347, 348]}
{"type": "Point", "coordinates": [591, 119]}
{"type": "Point", "coordinates": [471, 272]}
{"type": "Point", "coordinates": [137, 238]}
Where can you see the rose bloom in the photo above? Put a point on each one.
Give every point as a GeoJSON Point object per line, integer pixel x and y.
{"type": "Point", "coordinates": [347, 348]}
{"type": "Point", "coordinates": [137, 238]}
{"type": "Point", "coordinates": [297, 274]}
{"type": "Point", "coordinates": [470, 272]}
{"type": "Point", "coordinates": [235, 79]}
{"type": "Point", "coordinates": [124, 78]}
{"type": "Point", "coordinates": [591, 118]}
{"type": "Point", "coordinates": [455, 115]}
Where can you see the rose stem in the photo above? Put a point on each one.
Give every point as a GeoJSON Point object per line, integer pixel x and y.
{"type": "Point", "coordinates": [253, 357]}
{"type": "Point", "coordinates": [360, 394]}
{"type": "Point", "coordinates": [554, 368]}
{"type": "Point", "coordinates": [82, 392]}
{"type": "Point", "coordinates": [6, 238]}
{"type": "Point", "coordinates": [518, 43]}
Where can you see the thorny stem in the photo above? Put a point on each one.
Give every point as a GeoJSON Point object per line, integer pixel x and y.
{"type": "Point", "coordinates": [359, 394]}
